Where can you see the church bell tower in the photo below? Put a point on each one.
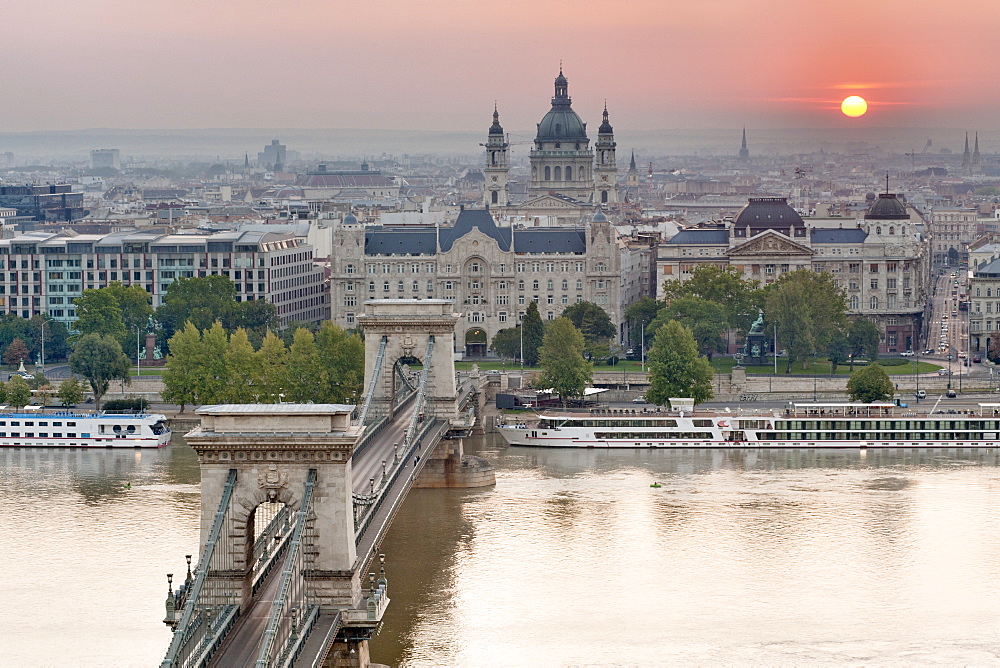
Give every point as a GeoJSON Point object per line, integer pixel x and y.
{"type": "Point", "coordinates": [496, 192]}
{"type": "Point", "coordinates": [605, 168]}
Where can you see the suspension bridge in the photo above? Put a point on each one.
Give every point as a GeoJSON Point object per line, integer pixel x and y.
{"type": "Point", "coordinates": [296, 499]}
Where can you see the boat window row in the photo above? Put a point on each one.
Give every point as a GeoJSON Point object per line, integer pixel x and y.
{"type": "Point", "coordinates": [875, 435]}
{"type": "Point", "coordinates": [653, 435]}
{"type": "Point", "coordinates": [56, 434]}
{"type": "Point", "coordinates": [882, 425]}
{"type": "Point", "coordinates": [31, 423]}
{"type": "Point", "coordinates": [622, 422]}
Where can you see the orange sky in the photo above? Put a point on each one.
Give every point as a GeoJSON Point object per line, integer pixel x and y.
{"type": "Point", "coordinates": [439, 64]}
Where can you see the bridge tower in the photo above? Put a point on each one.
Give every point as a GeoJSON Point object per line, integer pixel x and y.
{"type": "Point", "coordinates": [400, 329]}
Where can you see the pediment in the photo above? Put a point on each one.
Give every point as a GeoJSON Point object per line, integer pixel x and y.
{"type": "Point", "coordinates": [770, 243]}
{"type": "Point", "coordinates": [549, 202]}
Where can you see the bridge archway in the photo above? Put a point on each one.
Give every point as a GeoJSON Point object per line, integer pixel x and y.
{"type": "Point", "coordinates": [475, 342]}
{"type": "Point", "coordinates": [401, 329]}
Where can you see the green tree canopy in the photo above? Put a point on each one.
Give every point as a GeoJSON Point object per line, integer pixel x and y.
{"type": "Point", "coordinates": [592, 321]}
{"type": "Point", "coordinates": [98, 312]}
{"type": "Point", "coordinates": [862, 340]}
{"type": "Point", "coordinates": [724, 286]}
{"type": "Point", "coordinates": [70, 391]}
{"type": "Point", "coordinates": [706, 320]}
{"type": "Point", "coordinates": [181, 371]}
{"type": "Point", "coordinates": [18, 392]}
{"type": "Point", "coordinates": [563, 366]}
{"type": "Point", "coordinates": [870, 383]}
{"type": "Point", "coordinates": [342, 359]}
{"type": "Point", "coordinates": [675, 368]}
{"type": "Point", "coordinates": [533, 333]}
{"type": "Point", "coordinates": [507, 342]}
{"type": "Point", "coordinates": [837, 350]}
{"type": "Point", "coordinates": [100, 360]}
{"type": "Point", "coordinates": [15, 353]}
{"type": "Point", "coordinates": [807, 308]}
{"type": "Point", "coordinates": [203, 300]}
{"type": "Point", "coordinates": [639, 315]}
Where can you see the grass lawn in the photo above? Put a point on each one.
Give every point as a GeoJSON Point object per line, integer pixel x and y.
{"type": "Point", "coordinates": [722, 365]}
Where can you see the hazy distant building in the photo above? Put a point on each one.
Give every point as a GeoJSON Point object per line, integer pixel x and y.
{"type": "Point", "coordinates": [274, 156]}
{"type": "Point", "coordinates": [104, 158]}
{"type": "Point", "coordinates": [744, 154]}
{"type": "Point", "coordinates": [49, 203]}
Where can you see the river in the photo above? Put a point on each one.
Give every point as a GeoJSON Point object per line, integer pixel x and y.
{"type": "Point", "coordinates": [739, 557]}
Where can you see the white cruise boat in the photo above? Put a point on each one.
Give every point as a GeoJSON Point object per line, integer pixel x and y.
{"type": "Point", "coordinates": [805, 425]}
{"type": "Point", "coordinates": [68, 429]}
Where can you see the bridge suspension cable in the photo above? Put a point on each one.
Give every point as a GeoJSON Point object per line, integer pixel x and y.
{"type": "Point", "coordinates": [373, 383]}
{"type": "Point", "coordinates": [288, 625]}
{"type": "Point", "coordinates": [418, 406]}
{"type": "Point", "coordinates": [203, 624]}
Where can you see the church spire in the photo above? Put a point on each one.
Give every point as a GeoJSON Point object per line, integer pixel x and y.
{"type": "Point", "coordinates": [976, 158]}
{"type": "Point", "coordinates": [631, 163]}
{"type": "Point", "coordinates": [966, 157]}
{"type": "Point", "coordinates": [744, 153]}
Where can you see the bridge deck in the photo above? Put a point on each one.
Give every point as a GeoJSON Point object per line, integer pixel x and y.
{"type": "Point", "coordinates": [242, 643]}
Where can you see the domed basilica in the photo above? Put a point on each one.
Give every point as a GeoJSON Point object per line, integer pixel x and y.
{"type": "Point", "coordinates": [569, 178]}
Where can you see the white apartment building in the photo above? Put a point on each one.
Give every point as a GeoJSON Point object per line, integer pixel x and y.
{"type": "Point", "coordinates": [43, 272]}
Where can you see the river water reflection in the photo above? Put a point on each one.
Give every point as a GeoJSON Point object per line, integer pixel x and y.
{"type": "Point", "coordinates": [774, 557]}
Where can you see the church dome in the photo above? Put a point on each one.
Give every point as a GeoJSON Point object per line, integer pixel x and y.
{"type": "Point", "coordinates": [768, 212]}
{"type": "Point", "coordinates": [888, 206]}
{"type": "Point", "coordinates": [349, 219]}
{"type": "Point", "coordinates": [561, 123]}
{"type": "Point", "coordinates": [599, 217]}
{"type": "Point", "coordinates": [605, 128]}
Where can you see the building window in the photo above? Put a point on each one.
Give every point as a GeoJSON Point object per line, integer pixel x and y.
{"type": "Point", "coordinates": [890, 338]}
{"type": "Point", "coordinates": [520, 267]}
{"type": "Point", "coordinates": [371, 286]}
{"type": "Point", "coordinates": [350, 318]}
{"type": "Point", "coordinates": [854, 267]}
{"type": "Point", "coordinates": [534, 285]}
{"type": "Point", "coordinates": [502, 316]}
{"type": "Point", "coordinates": [520, 285]}
{"type": "Point", "coordinates": [551, 315]}
{"type": "Point", "coordinates": [474, 268]}
{"type": "Point", "coordinates": [874, 303]}
{"type": "Point", "coordinates": [550, 300]}
{"type": "Point", "coordinates": [550, 266]}
{"type": "Point", "coordinates": [854, 302]}
{"type": "Point", "coordinates": [350, 287]}
{"type": "Point", "coordinates": [874, 284]}
{"type": "Point", "coordinates": [520, 300]}
{"type": "Point", "coordinates": [449, 286]}
{"type": "Point", "coordinates": [350, 269]}
{"type": "Point", "coordinates": [385, 286]}
{"type": "Point", "coordinates": [416, 286]}
{"type": "Point", "coordinates": [579, 284]}
{"type": "Point", "coordinates": [501, 300]}
{"type": "Point", "coordinates": [503, 268]}
{"type": "Point", "coordinates": [565, 299]}
{"type": "Point", "coordinates": [565, 284]}
{"type": "Point", "coordinates": [549, 284]}
{"type": "Point", "coordinates": [873, 269]}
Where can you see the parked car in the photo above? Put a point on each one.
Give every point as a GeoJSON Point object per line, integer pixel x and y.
{"type": "Point", "coordinates": [908, 353]}
{"type": "Point", "coordinates": [921, 394]}
{"type": "Point", "coordinates": [977, 359]}
{"type": "Point", "coordinates": [641, 399]}
{"type": "Point", "coordinates": [951, 394]}
{"type": "Point", "coordinates": [961, 354]}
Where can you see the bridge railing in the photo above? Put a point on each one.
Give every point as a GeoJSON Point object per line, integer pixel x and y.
{"type": "Point", "coordinates": [203, 624]}
{"type": "Point", "coordinates": [367, 505]}
{"type": "Point", "coordinates": [289, 622]}
{"type": "Point", "coordinates": [376, 374]}
{"type": "Point", "coordinates": [270, 545]}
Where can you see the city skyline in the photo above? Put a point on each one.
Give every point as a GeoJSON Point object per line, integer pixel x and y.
{"type": "Point", "coordinates": [440, 66]}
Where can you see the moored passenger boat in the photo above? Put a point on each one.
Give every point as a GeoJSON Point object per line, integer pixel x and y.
{"type": "Point", "coordinates": [801, 425]}
{"type": "Point", "coordinates": [69, 429]}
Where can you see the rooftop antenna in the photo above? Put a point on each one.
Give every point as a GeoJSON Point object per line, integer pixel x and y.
{"type": "Point", "coordinates": [887, 183]}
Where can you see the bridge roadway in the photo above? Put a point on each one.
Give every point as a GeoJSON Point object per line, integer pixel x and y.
{"type": "Point", "coordinates": [242, 643]}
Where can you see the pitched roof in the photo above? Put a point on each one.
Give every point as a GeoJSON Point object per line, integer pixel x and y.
{"type": "Point", "coordinates": [470, 219]}
{"type": "Point", "coordinates": [991, 270]}
{"type": "Point", "coordinates": [700, 237]}
{"type": "Point", "coordinates": [550, 240]}
{"type": "Point", "coordinates": [400, 241]}
{"type": "Point", "coordinates": [849, 236]}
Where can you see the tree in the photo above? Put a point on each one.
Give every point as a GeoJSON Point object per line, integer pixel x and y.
{"type": "Point", "coordinates": [870, 383]}
{"type": "Point", "coordinates": [675, 368]}
{"type": "Point", "coordinates": [70, 391]}
{"type": "Point", "coordinates": [242, 371]}
{"type": "Point", "coordinates": [18, 392]}
{"type": "Point", "coordinates": [705, 319]}
{"type": "Point", "coordinates": [724, 286]}
{"type": "Point", "coordinates": [563, 366]}
{"type": "Point", "coordinates": [639, 315]}
{"type": "Point", "coordinates": [181, 371]}
{"type": "Point", "coordinates": [271, 360]}
{"type": "Point", "coordinates": [210, 382]}
{"type": "Point", "coordinates": [256, 316]}
{"type": "Point", "coordinates": [342, 358]}
{"type": "Point", "coordinates": [16, 352]}
{"type": "Point", "coordinates": [507, 342]}
{"type": "Point", "coordinates": [807, 308]}
{"type": "Point", "coordinates": [201, 301]}
{"type": "Point", "coordinates": [98, 312]}
{"type": "Point", "coordinates": [303, 374]}
{"type": "Point", "coordinates": [863, 339]}
{"type": "Point", "coordinates": [533, 333]}
{"type": "Point", "coordinates": [100, 360]}
{"type": "Point", "coordinates": [837, 350]}
{"type": "Point", "coordinates": [592, 321]}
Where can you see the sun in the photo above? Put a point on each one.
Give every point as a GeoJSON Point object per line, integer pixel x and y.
{"type": "Point", "coordinates": [854, 106]}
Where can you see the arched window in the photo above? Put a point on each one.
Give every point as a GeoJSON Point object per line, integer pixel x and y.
{"type": "Point", "coordinates": [493, 154]}
{"type": "Point", "coordinates": [534, 285]}
{"type": "Point", "coordinates": [548, 173]}
{"type": "Point", "coordinates": [874, 303]}
{"type": "Point", "coordinates": [989, 292]}
{"type": "Point", "coordinates": [854, 303]}
{"type": "Point", "coordinates": [494, 197]}
{"type": "Point", "coordinates": [604, 196]}
{"type": "Point", "coordinates": [878, 230]}
{"type": "Point", "coordinates": [558, 173]}
{"type": "Point", "coordinates": [569, 173]}
{"type": "Point", "coordinates": [565, 284]}
{"type": "Point", "coordinates": [892, 230]}
{"type": "Point", "coordinates": [601, 266]}
{"type": "Point", "coordinates": [520, 285]}
{"type": "Point", "coordinates": [549, 284]}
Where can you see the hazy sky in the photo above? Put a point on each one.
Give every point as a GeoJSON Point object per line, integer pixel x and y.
{"type": "Point", "coordinates": [440, 64]}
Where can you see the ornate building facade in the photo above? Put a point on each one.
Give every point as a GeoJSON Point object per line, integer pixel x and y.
{"type": "Point", "coordinates": [491, 271]}
{"type": "Point", "coordinates": [881, 262]}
